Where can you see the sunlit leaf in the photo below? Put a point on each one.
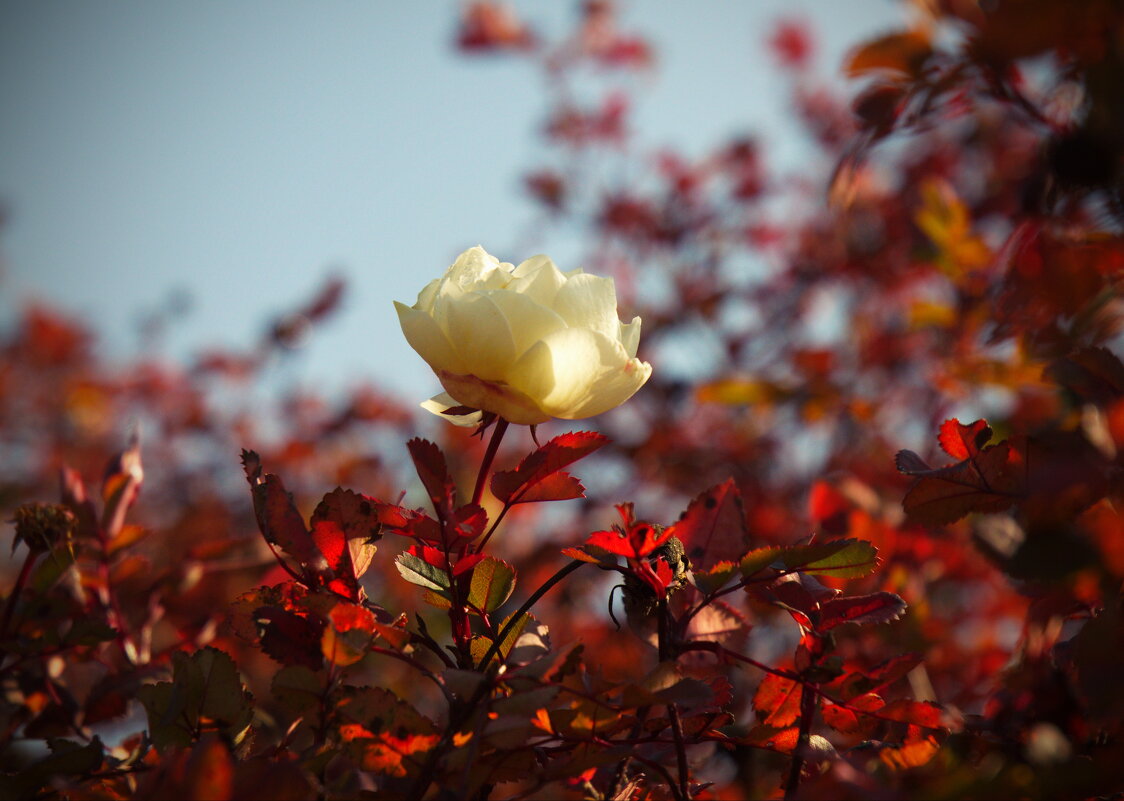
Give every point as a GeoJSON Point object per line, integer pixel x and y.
{"type": "Point", "coordinates": [417, 571]}
{"type": "Point", "coordinates": [493, 581]}
{"type": "Point", "coordinates": [538, 479]}
{"type": "Point", "coordinates": [880, 607]}
{"type": "Point", "coordinates": [777, 701]}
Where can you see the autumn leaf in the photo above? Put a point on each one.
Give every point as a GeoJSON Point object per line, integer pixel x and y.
{"type": "Point", "coordinates": [987, 480]}
{"type": "Point", "coordinates": [881, 607]}
{"type": "Point", "coordinates": [713, 529]}
{"type": "Point", "coordinates": [383, 733]}
{"type": "Point", "coordinates": [633, 540]}
{"type": "Point", "coordinates": [123, 478]}
{"type": "Point", "coordinates": [963, 441]}
{"type": "Point", "coordinates": [433, 472]}
{"type": "Point", "coordinates": [538, 476]}
{"type": "Point", "coordinates": [205, 692]}
{"type": "Point", "coordinates": [357, 518]}
{"type": "Point", "coordinates": [846, 558]}
{"type": "Point", "coordinates": [278, 519]}
{"type": "Point", "coordinates": [777, 701]}
{"type": "Point", "coordinates": [904, 52]}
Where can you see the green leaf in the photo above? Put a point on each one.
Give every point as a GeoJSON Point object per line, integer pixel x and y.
{"type": "Point", "coordinates": [712, 580]}
{"type": "Point", "coordinates": [757, 560]}
{"type": "Point", "coordinates": [205, 692]}
{"type": "Point", "coordinates": [418, 571]}
{"type": "Point", "coordinates": [839, 559]}
{"type": "Point", "coordinates": [480, 645]}
{"type": "Point", "coordinates": [493, 581]}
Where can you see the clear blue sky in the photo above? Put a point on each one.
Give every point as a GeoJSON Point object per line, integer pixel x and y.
{"type": "Point", "coordinates": [243, 150]}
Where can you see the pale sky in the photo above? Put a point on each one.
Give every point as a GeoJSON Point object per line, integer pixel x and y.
{"type": "Point", "coordinates": [244, 150]}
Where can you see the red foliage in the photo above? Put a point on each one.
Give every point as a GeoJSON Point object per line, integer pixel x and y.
{"type": "Point", "coordinates": [807, 625]}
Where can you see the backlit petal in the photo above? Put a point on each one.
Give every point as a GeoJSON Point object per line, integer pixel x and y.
{"type": "Point", "coordinates": [427, 338]}
{"type": "Point", "coordinates": [480, 335]}
{"type": "Point", "coordinates": [578, 373]}
{"type": "Point", "coordinates": [589, 301]}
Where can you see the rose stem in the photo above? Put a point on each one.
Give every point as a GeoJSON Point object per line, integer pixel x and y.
{"type": "Point", "coordinates": [489, 457]}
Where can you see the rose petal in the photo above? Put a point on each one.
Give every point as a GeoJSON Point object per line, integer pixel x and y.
{"type": "Point", "coordinates": [528, 321]}
{"type": "Point", "coordinates": [494, 396]}
{"type": "Point", "coordinates": [474, 270]}
{"type": "Point", "coordinates": [538, 278]}
{"type": "Point", "coordinates": [479, 334]}
{"type": "Point", "coordinates": [630, 336]}
{"type": "Point", "coordinates": [427, 338]}
{"type": "Point", "coordinates": [589, 301]}
{"type": "Point", "coordinates": [428, 295]}
{"type": "Point", "coordinates": [439, 404]}
{"type": "Point", "coordinates": [578, 373]}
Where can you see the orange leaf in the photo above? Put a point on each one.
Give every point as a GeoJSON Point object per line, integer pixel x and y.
{"type": "Point", "coordinates": [904, 52]}
{"type": "Point", "coordinates": [777, 701]}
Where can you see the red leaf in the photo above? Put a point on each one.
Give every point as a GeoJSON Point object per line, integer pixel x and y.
{"type": "Point", "coordinates": [278, 519]}
{"type": "Point", "coordinates": [466, 563]}
{"type": "Point", "coordinates": [828, 507]}
{"type": "Point", "coordinates": [514, 486]}
{"type": "Point", "coordinates": [963, 442]}
{"type": "Point", "coordinates": [777, 701]}
{"type": "Point", "coordinates": [713, 529]}
{"type": "Point", "coordinates": [859, 684]}
{"type": "Point", "coordinates": [991, 481]}
{"type": "Point", "coordinates": [881, 607]}
{"type": "Point", "coordinates": [433, 472]}
{"type": "Point", "coordinates": [290, 638]}
{"type": "Point", "coordinates": [332, 542]}
{"type": "Point", "coordinates": [560, 486]}
{"type": "Point", "coordinates": [469, 522]}
{"type": "Point", "coordinates": [635, 540]}
{"type": "Point", "coordinates": [360, 520]}
{"type": "Point", "coordinates": [781, 740]}
{"type": "Point", "coordinates": [916, 713]}
{"type": "Point", "coordinates": [431, 556]}
{"type": "Point", "coordinates": [839, 718]}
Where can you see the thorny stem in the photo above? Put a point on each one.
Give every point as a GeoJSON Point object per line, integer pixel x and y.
{"type": "Point", "coordinates": [489, 457]}
{"type": "Point", "coordinates": [21, 580]}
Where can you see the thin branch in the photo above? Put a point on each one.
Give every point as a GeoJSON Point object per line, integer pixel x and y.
{"type": "Point", "coordinates": [526, 607]}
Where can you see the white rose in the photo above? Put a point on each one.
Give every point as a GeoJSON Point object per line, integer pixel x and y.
{"type": "Point", "coordinates": [527, 343]}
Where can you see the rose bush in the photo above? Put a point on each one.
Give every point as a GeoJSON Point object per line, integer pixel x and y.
{"type": "Point", "coordinates": [526, 343]}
